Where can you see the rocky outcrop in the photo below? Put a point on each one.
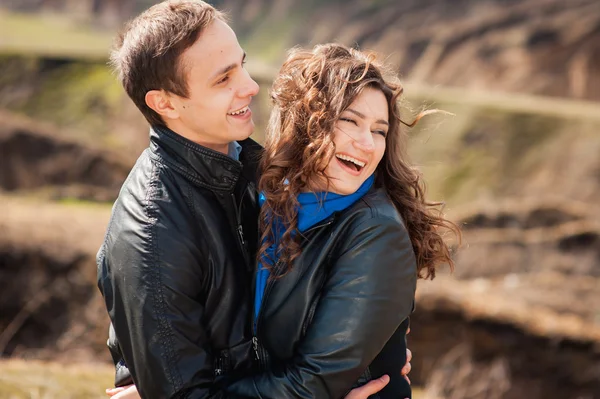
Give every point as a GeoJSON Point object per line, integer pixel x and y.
{"type": "Point", "coordinates": [50, 307]}
{"type": "Point", "coordinates": [547, 47]}
{"type": "Point", "coordinates": [519, 319]}
{"type": "Point", "coordinates": [36, 157]}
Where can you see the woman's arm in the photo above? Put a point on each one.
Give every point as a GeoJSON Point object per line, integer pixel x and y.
{"type": "Point", "coordinates": [369, 292]}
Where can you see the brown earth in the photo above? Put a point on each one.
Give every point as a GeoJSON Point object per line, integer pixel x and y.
{"type": "Point", "coordinates": [520, 318]}
{"type": "Point", "coordinates": [36, 157]}
{"type": "Point", "coordinates": [521, 332]}
{"type": "Point", "coordinates": [50, 306]}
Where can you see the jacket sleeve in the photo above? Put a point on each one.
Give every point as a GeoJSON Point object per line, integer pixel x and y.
{"type": "Point", "coordinates": [122, 373]}
{"type": "Point", "coordinates": [152, 277]}
{"type": "Point", "coordinates": [369, 292]}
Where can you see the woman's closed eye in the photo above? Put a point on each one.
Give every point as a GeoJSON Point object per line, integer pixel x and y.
{"type": "Point", "coordinates": [349, 120]}
{"type": "Point", "coordinates": [381, 132]}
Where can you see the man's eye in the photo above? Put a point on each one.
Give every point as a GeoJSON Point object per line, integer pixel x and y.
{"type": "Point", "coordinates": [223, 80]}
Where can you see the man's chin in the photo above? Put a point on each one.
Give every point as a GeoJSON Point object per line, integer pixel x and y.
{"type": "Point", "coordinates": [243, 134]}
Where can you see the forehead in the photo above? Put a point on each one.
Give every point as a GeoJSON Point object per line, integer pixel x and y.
{"type": "Point", "coordinates": [216, 48]}
{"type": "Point", "coordinates": [372, 103]}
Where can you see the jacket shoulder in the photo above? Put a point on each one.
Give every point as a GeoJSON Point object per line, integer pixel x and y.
{"type": "Point", "coordinates": [150, 207]}
{"type": "Point", "coordinates": [375, 207]}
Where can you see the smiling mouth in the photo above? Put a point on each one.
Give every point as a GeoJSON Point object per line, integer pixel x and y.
{"type": "Point", "coordinates": [350, 162]}
{"type": "Point", "coordinates": [239, 112]}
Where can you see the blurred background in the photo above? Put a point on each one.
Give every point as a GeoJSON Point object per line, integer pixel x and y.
{"type": "Point", "coordinates": [518, 166]}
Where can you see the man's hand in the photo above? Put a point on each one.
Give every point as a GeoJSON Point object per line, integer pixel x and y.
{"type": "Point", "coordinates": [127, 392]}
{"type": "Point", "coordinates": [407, 367]}
{"type": "Point", "coordinates": [369, 389]}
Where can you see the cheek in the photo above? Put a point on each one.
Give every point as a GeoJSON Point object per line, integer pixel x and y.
{"type": "Point", "coordinates": [378, 156]}
{"type": "Point", "coordinates": [379, 150]}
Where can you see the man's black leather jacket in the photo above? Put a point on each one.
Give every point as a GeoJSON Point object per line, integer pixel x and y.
{"type": "Point", "coordinates": [341, 314]}
{"type": "Point", "coordinates": [176, 265]}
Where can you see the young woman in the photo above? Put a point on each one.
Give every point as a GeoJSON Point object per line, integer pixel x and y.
{"type": "Point", "coordinates": [346, 232]}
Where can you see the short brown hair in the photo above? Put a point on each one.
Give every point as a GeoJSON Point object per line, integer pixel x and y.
{"type": "Point", "coordinates": [146, 55]}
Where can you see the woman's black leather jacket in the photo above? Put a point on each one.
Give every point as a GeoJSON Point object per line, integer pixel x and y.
{"type": "Point", "coordinates": [341, 314]}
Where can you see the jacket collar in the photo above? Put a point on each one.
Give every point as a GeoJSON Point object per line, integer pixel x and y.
{"type": "Point", "coordinates": [201, 165]}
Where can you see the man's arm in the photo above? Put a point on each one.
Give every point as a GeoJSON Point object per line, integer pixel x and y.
{"type": "Point", "coordinates": [370, 291]}
{"type": "Point", "coordinates": [151, 277]}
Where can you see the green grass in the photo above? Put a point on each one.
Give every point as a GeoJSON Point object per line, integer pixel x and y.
{"type": "Point", "coordinates": [50, 34]}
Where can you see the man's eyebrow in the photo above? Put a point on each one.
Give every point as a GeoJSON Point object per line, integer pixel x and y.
{"type": "Point", "coordinates": [360, 115]}
{"type": "Point", "coordinates": [228, 68]}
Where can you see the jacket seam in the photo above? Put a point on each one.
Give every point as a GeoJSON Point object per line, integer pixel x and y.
{"type": "Point", "coordinates": [102, 251]}
{"type": "Point", "coordinates": [191, 176]}
{"type": "Point", "coordinates": [188, 195]}
{"type": "Point", "coordinates": [164, 332]}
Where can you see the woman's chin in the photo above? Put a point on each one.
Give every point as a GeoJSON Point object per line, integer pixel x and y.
{"type": "Point", "coordinates": [345, 188]}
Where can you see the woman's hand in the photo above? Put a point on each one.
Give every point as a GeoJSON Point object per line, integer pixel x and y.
{"type": "Point", "coordinates": [127, 392]}
{"type": "Point", "coordinates": [407, 367]}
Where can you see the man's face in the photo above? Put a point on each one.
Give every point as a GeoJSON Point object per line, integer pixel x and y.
{"type": "Point", "coordinates": [220, 90]}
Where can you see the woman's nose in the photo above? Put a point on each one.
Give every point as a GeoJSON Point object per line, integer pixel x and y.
{"type": "Point", "coordinates": [365, 142]}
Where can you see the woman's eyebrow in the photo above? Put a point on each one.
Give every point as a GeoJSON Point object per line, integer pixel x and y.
{"type": "Point", "coordinates": [360, 115]}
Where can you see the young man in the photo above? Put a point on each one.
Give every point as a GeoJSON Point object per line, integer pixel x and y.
{"type": "Point", "coordinates": [176, 265]}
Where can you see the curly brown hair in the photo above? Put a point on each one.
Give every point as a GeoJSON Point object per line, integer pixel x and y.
{"type": "Point", "coordinates": [311, 91]}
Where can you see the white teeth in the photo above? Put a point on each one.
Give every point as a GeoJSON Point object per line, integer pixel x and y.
{"type": "Point", "coordinates": [239, 111]}
{"type": "Point", "coordinates": [350, 159]}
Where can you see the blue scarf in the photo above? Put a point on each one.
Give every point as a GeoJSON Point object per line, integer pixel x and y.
{"type": "Point", "coordinates": [314, 208]}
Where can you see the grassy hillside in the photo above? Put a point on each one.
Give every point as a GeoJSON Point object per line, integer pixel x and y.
{"type": "Point", "coordinates": [505, 145]}
{"type": "Point", "coordinates": [51, 34]}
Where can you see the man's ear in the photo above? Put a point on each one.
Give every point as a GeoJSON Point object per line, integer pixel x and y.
{"type": "Point", "coordinates": [162, 104]}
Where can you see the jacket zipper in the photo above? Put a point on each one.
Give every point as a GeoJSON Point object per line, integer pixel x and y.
{"type": "Point", "coordinates": [239, 228]}
{"type": "Point", "coordinates": [258, 350]}
{"type": "Point", "coordinates": [313, 308]}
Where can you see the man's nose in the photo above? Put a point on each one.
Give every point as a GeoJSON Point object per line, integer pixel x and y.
{"type": "Point", "coordinates": [249, 88]}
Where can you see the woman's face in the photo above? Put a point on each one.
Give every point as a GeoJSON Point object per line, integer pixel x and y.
{"type": "Point", "coordinates": [359, 139]}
